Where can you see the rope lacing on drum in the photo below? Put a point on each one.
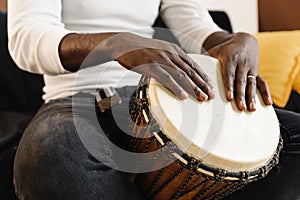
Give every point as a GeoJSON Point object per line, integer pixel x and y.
{"type": "Point", "coordinates": [245, 175]}
{"type": "Point", "coordinates": [193, 164]}
{"type": "Point", "coordinates": [263, 171]}
{"type": "Point", "coordinates": [220, 174]}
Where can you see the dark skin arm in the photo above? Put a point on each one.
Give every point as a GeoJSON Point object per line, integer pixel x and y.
{"type": "Point", "coordinates": [168, 64]}
{"type": "Point", "coordinates": [164, 61]}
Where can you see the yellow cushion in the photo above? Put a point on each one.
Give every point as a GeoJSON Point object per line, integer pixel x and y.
{"type": "Point", "coordinates": [296, 85]}
{"type": "Point", "coordinates": [280, 63]}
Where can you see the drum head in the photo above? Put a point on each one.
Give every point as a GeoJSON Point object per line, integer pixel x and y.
{"type": "Point", "coordinates": [216, 132]}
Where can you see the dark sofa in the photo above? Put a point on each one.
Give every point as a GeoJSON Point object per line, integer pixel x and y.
{"type": "Point", "coordinates": [20, 97]}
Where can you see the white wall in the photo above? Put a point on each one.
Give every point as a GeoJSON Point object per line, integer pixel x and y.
{"type": "Point", "coordinates": [243, 14]}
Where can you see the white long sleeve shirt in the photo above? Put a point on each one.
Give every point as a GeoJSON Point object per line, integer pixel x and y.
{"type": "Point", "coordinates": [36, 27]}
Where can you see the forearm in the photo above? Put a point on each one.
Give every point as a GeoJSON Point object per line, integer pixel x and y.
{"type": "Point", "coordinates": [84, 50]}
{"type": "Point", "coordinates": [220, 37]}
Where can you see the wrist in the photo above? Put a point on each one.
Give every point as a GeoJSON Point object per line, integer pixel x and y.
{"type": "Point", "coordinates": [216, 39]}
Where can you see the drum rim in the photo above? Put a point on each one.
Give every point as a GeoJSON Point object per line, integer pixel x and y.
{"type": "Point", "coordinates": [238, 162]}
{"type": "Point", "coordinates": [247, 176]}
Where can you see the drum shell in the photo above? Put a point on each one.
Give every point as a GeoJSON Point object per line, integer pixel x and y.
{"type": "Point", "coordinates": [177, 180]}
{"type": "Point", "coordinates": [181, 179]}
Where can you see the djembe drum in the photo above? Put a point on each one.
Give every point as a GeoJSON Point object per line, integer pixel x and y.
{"type": "Point", "coordinates": [200, 150]}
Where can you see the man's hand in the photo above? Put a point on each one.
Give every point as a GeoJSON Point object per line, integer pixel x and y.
{"type": "Point", "coordinates": [239, 57]}
{"type": "Point", "coordinates": [165, 62]}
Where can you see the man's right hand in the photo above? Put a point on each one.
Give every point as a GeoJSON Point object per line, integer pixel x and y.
{"type": "Point", "coordinates": [165, 62]}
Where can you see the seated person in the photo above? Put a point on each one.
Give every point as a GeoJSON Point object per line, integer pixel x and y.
{"type": "Point", "coordinates": [80, 46]}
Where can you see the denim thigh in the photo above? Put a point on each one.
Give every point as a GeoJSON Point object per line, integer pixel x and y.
{"type": "Point", "coordinates": [53, 163]}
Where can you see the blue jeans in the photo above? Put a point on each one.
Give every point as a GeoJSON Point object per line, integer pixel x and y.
{"type": "Point", "coordinates": [52, 161]}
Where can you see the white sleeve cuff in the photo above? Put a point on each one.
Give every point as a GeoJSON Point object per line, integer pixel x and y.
{"type": "Point", "coordinates": [49, 52]}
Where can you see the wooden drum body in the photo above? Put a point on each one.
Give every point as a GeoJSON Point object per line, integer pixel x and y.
{"type": "Point", "coordinates": [200, 150]}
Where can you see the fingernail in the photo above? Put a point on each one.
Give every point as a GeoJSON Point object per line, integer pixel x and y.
{"type": "Point", "coordinates": [210, 84]}
{"type": "Point", "coordinates": [242, 105]}
{"type": "Point", "coordinates": [252, 106]}
{"type": "Point", "coordinates": [203, 96]}
{"type": "Point", "coordinates": [183, 95]}
{"type": "Point", "coordinates": [211, 94]}
{"type": "Point", "coordinates": [270, 100]}
{"type": "Point", "coordinates": [230, 95]}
